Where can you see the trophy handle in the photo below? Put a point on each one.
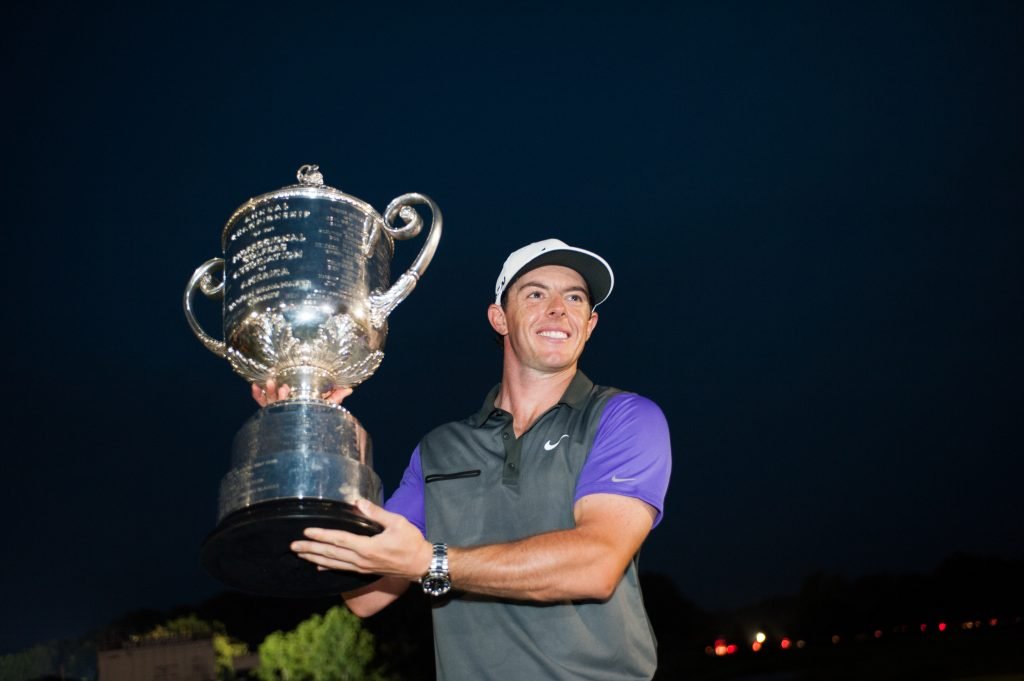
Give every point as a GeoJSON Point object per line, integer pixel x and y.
{"type": "Point", "coordinates": [201, 277]}
{"type": "Point", "coordinates": [382, 304]}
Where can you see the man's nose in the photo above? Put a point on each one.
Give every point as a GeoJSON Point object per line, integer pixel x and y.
{"type": "Point", "coordinates": [556, 307]}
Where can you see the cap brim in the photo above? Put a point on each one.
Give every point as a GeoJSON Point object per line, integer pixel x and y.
{"type": "Point", "coordinates": [593, 269]}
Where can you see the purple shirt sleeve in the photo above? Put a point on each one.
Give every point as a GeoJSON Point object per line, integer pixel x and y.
{"type": "Point", "coordinates": [408, 499]}
{"type": "Point", "coordinates": [631, 455]}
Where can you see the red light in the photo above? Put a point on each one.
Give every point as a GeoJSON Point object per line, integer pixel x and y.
{"type": "Point", "coordinates": [756, 646]}
{"type": "Point", "coordinates": [785, 643]}
{"type": "Point", "coordinates": [730, 649]}
{"type": "Point", "coordinates": [942, 626]}
{"type": "Point", "coordinates": [878, 633]}
{"type": "Point", "coordinates": [719, 642]}
{"type": "Point", "coordinates": [993, 622]}
{"type": "Point", "coordinates": [924, 628]}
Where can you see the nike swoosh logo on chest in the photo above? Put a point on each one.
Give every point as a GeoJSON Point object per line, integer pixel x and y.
{"type": "Point", "coordinates": [548, 446]}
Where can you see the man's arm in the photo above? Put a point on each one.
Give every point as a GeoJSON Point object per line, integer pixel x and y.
{"type": "Point", "coordinates": [618, 499]}
{"type": "Point", "coordinates": [375, 596]}
{"type": "Point", "coordinates": [584, 562]}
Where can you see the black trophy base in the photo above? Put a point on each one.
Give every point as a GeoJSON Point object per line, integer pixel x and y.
{"type": "Point", "coordinates": [249, 550]}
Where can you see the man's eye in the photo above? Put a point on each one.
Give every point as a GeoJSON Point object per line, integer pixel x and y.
{"type": "Point", "coordinates": [533, 294]}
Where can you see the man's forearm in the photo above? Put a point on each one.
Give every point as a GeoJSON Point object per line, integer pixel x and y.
{"type": "Point", "coordinates": [370, 599]}
{"type": "Point", "coordinates": [585, 562]}
{"type": "Point", "coordinates": [555, 566]}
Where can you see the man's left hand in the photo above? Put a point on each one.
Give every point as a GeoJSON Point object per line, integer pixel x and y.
{"type": "Point", "coordinates": [398, 551]}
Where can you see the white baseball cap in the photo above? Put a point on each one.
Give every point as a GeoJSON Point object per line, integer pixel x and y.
{"type": "Point", "coordinates": [592, 267]}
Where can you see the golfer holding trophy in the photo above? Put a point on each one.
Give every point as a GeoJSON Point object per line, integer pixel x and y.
{"type": "Point", "coordinates": [306, 288]}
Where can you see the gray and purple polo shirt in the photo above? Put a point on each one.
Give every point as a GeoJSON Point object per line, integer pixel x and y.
{"type": "Point", "coordinates": [473, 482]}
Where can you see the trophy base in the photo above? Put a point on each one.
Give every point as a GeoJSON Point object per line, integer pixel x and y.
{"type": "Point", "coordinates": [249, 549]}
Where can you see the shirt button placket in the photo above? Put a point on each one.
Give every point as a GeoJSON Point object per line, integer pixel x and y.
{"type": "Point", "coordinates": [510, 476]}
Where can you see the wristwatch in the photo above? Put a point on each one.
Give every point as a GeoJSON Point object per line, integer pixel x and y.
{"type": "Point", "coordinates": [437, 581]}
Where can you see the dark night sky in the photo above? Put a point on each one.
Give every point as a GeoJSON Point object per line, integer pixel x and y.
{"type": "Point", "coordinates": [814, 213]}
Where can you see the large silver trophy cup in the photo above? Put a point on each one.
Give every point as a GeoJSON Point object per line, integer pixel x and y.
{"type": "Point", "coordinates": [306, 288]}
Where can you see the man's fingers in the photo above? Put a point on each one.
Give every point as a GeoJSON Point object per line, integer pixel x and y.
{"type": "Point", "coordinates": [352, 549]}
{"type": "Point", "coordinates": [270, 392]}
{"type": "Point", "coordinates": [259, 395]}
{"type": "Point", "coordinates": [330, 539]}
{"type": "Point", "coordinates": [325, 563]}
{"type": "Point", "coordinates": [329, 555]}
{"type": "Point", "coordinates": [337, 395]}
{"type": "Point", "coordinates": [376, 513]}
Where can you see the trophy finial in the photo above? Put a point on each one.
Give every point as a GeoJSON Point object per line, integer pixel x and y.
{"type": "Point", "coordinates": [310, 175]}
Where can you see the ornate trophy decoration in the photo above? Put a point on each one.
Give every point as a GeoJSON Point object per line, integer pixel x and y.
{"type": "Point", "coordinates": [306, 291]}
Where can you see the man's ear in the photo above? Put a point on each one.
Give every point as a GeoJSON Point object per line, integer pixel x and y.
{"type": "Point", "coordinates": [591, 323]}
{"type": "Point", "coordinates": [496, 316]}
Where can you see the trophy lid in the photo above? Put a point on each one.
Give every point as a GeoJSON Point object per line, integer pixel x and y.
{"type": "Point", "coordinates": [310, 186]}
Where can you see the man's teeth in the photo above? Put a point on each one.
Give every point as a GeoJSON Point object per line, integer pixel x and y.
{"type": "Point", "coordinates": [554, 334]}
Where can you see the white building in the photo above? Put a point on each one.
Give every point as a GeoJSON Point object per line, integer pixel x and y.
{"type": "Point", "coordinates": [162, 660]}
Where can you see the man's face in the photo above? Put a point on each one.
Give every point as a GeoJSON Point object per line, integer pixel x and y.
{"type": "Point", "coordinates": [547, 318]}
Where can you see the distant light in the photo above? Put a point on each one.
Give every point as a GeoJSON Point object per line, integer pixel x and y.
{"type": "Point", "coordinates": [801, 644]}
{"type": "Point", "coordinates": [721, 650]}
{"type": "Point", "coordinates": [942, 626]}
{"type": "Point", "coordinates": [967, 625]}
{"type": "Point", "coordinates": [924, 628]}
{"type": "Point", "coordinates": [977, 624]}
{"type": "Point", "coordinates": [785, 643]}
{"type": "Point", "coordinates": [760, 637]}
{"type": "Point", "coordinates": [755, 646]}
{"type": "Point", "coordinates": [835, 639]}
{"type": "Point", "coordinates": [878, 633]}
{"type": "Point", "coordinates": [993, 622]}
{"type": "Point", "coordinates": [730, 649]}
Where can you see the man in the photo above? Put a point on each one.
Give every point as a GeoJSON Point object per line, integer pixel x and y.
{"type": "Point", "coordinates": [536, 505]}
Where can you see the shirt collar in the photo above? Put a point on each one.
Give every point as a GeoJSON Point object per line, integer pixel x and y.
{"type": "Point", "coordinates": [574, 396]}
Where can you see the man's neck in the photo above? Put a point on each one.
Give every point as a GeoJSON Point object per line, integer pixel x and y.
{"type": "Point", "coordinates": [527, 394]}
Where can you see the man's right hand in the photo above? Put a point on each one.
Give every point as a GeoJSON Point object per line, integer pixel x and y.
{"type": "Point", "coordinates": [270, 393]}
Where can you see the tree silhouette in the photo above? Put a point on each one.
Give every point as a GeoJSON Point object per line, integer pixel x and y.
{"type": "Point", "coordinates": [334, 647]}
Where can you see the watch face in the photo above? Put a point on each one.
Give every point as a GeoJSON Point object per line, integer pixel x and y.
{"type": "Point", "coordinates": [436, 585]}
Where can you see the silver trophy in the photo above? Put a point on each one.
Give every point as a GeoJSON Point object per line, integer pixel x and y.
{"type": "Point", "coordinates": [306, 289]}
